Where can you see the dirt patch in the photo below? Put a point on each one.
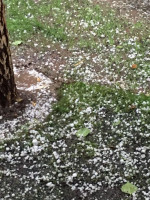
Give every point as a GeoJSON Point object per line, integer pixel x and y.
{"type": "Point", "coordinates": [16, 109]}
{"type": "Point", "coordinates": [48, 60]}
{"type": "Point", "coordinates": [132, 10]}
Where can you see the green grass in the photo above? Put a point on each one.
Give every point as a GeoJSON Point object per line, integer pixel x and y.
{"type": "Point", "coordinates": [75, 98]}
{"type": "Point", "coordinates": [70, 20]}
{"type": "Point", "coordinates": [117, 100]}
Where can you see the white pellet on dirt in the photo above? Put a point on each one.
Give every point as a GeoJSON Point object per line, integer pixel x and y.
{"type": "Point", "coordinates": [37, 84]}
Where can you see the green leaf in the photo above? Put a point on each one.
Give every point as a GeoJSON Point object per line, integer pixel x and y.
{"type": "Point", "coordinates": [117, 123]}
{"type": "Point", "coordinates": [83, 132]}
{"type": "Point", "coordinates": [17, 42]}
{"type": "Point", "coordinates": [129, 188]}
{"type": "Point", "coordinates": [119, 47]}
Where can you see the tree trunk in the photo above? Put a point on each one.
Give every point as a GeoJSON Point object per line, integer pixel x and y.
{"type": "Point", "coordinates": [8, 90]}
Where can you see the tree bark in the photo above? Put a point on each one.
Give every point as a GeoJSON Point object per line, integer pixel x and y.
{"type": "Point", "coordinates": [8, 91]}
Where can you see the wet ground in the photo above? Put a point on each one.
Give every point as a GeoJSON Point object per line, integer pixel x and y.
{"type": "Point", "coordinates": [50, 61]}
{"type": "Point", "coordinates": [38, 74]}
{"type": "Point", "coordinates": [133, 10]}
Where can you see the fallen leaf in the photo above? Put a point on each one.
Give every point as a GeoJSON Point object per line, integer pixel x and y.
{"type": "Point", "coordinates": [120, 47]}
{"type": "Point", "coordinates": [83, 132]}
{"type": "Point", "coordinates": [38, 79]}
{"type": "Point", "coordinates": [15, 115]}
{"type": "Point", "coordinates": [112, 147]}
{"type": "Point", "coordinates": [134, 66]}
{"type": "Point", "coordinates": [147, 94]}
{"type": "Point", "coordinates": [33, 103]}
{"type": "Point", "coordinates": [78, 63]}
{"type": "Point", "coordinates": [19, 99]}
{"type": "Point", "coordinates": [17, 42]}
{"type": "Point", "coordinates": [43, 86]}
{"type": "Point", "coordinates": [129, 188]}
{"type": "Point", "coordinates": [132, 107]}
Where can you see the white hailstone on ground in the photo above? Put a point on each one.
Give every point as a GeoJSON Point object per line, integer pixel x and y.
{"type": "Point", "coordinates": [56, 155]}
{"type": "Point", "coordinates": [88, 110]}
{"type": "Point", "coordinates": [69, 179]}
{"type": "Point", "coordinates": [33, 131]}
{"type": "Point", "coordinates": [132, 56]}
{"type": "Point", "coordinates": [35, 142]}
{"type": "Point", "coordinates": [50, 185]}
{"type": "Point", "coordinates": [34, 149]}
{"type": "Point", "coordinates": [74, 175]}
{"type": "Point", "coordinates": [73, 187]}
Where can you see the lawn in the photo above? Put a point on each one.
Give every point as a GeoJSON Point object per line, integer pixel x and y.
{"type": "Point", "coordinates": [96, 138]}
